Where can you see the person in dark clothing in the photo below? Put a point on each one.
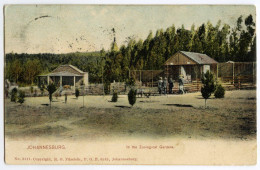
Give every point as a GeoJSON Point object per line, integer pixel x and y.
{"type": "Point", "coordinates": [171, 85]}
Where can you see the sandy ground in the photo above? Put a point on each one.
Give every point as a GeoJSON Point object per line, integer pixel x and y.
{"type": "Point", "coordinates": [156, 102]}
{"type": "Point", "coordinates": [224, 133]}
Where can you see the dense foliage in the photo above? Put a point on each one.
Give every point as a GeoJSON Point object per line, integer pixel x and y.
{"type": "Point", "coordinates": [219, 41]}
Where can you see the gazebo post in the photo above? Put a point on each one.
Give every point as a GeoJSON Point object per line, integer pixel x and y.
{"type": "Point", "coordinates": [74, 82]}
{"type": "Point", "coordinates": [60, 81]}
{"type": "Point", "coordinates": [48, 80]}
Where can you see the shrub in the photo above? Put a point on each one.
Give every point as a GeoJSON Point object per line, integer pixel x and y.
{"type": "Point", "coordinates": [31, 89]}
{"type": "Point", "coordinates": [132, 97]}
{"type": "Point", "coordinates": [208, 86]}
{"type": "Point", "coordinates": [219, 92]}
{"type": "Point", "coordinates": [51, 89]}
{"type": "Point", "coordinates": [14, 95]}
{"type": "Point", "coordinates": [21, 97]}
{"type": "Point", "coordinates": [114, 97]}
{"type": "Point", "coordinates": [77, 93]}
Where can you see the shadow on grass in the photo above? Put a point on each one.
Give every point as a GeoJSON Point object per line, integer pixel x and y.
{"type": "Point", "coordinates": [120, 106]}
{"type": "Point", "coordinates": [148, 101]}
{"type": "Point", "coordinates": [45, 104]}
{"type": "Point", "coordinates": [179, 105]}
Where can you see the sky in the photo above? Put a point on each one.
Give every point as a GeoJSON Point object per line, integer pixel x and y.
{"type": "Point", "coordinates": [86, 28]}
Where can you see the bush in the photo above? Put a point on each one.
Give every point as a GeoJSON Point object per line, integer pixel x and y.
{"type": "Point", "coordinates": [14, 95]}
{"type": "Point", "coordinates": [77, 93]}
{"type": "Point", "coordinates": [31, 89]}
{"type": "Point", "coordinates": [114, 97]}
{"type": "Point", "coordinates": [132, 97]}
{"type": "Point", "coordinates": [219, 92]}
{"type": "Point", "coordinates": [21, 97]}
{"type": "Point", "coordinates": [51, 89]}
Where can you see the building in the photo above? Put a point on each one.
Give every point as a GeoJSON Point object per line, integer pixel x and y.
{"type": "Point", "coordinates": [65, 75]}
{"type": "Point", "coordinates": [189, 64]}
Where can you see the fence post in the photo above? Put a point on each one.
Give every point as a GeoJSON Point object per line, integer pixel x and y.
{"type": "Point", "coordinates": [152, 78]}
{"type": "Point", "coordinates": [233, 73]}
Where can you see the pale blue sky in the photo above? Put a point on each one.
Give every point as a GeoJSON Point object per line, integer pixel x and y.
{"type": "Point", "coordinates": [70, 28]}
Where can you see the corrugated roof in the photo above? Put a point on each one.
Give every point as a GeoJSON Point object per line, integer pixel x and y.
{"type": "Point", "coordinates": [199, 58]}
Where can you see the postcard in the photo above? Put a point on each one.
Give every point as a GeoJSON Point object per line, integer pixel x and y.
{"type": "Point", "coordinates": [130, 84]}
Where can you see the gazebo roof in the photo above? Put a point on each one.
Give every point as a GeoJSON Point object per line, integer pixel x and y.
{"type": "Point", "coordinates": [63, 73]}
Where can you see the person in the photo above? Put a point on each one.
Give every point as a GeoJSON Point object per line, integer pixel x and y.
{"type": "Point", "coordinates": [164, 85]}
{"type": "Point", "coordinates": [160, 83]}
{"type": "Point", "coordinates": [181, 83]}
{"type": "Point", "coordinates": [171, 85]}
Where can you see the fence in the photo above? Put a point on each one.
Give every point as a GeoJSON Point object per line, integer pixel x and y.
{"type": "Point", "coordinates": [239, 75]}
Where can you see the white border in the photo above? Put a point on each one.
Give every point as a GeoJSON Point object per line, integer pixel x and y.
{"type": "Point", "coordinates": [79, 167]}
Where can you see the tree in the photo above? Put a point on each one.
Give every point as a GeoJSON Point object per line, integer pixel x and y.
{"type": "Point", "coordinates": [77, 93]}
{"type": "Point", "coordinates": [21, 96]}
{"type": "Point", "coordinates": [32, 69]}
{"type": "Point", "coordinates": [132, 97]}
{"type": "Point", "coordinates": [208, 86]}
{"type": "Point", "coordinates": [16, 69]}
{"type": "Point", "coordinates": [51, 88]}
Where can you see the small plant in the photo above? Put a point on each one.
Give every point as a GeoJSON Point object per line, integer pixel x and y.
{"type": "Point", "coordinates": [14, 95]}
{"type": "Point", "coordinates": [208, 86]}
{"type": "Point", "coordinates": [21, 97]}
{"type": "Point", "coordinates": [132, 97]}
{"type": "Point", "coordinates": [219, 92]}
{"type": "Point", "coordinates": [35, 93]}
{"type": "Point", "coordinates": [31, 88]}
{"type": "Point", "coordinates": [114, 97]}
{"type": "Point", "coordinates": [51, 89]}
{"type": "Point", "coordinates": [77, 93]}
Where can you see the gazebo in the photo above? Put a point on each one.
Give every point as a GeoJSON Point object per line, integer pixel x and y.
{"type": "Point", "coordinates": [64, 75]}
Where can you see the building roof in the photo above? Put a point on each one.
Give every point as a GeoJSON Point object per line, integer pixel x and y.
{"type": "Point", "coordinates": [199, 58]}
{"type": "Point", "coordinates": [64, 71]}
{"type": "Point", "coordinates": [75, 68]}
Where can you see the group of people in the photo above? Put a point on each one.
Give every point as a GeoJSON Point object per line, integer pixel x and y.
{"type": "Point", "coordinates": [162, 85]}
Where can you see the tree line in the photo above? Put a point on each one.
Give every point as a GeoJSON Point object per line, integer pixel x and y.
{"type": "Point", "coordinates": [220, 41]}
